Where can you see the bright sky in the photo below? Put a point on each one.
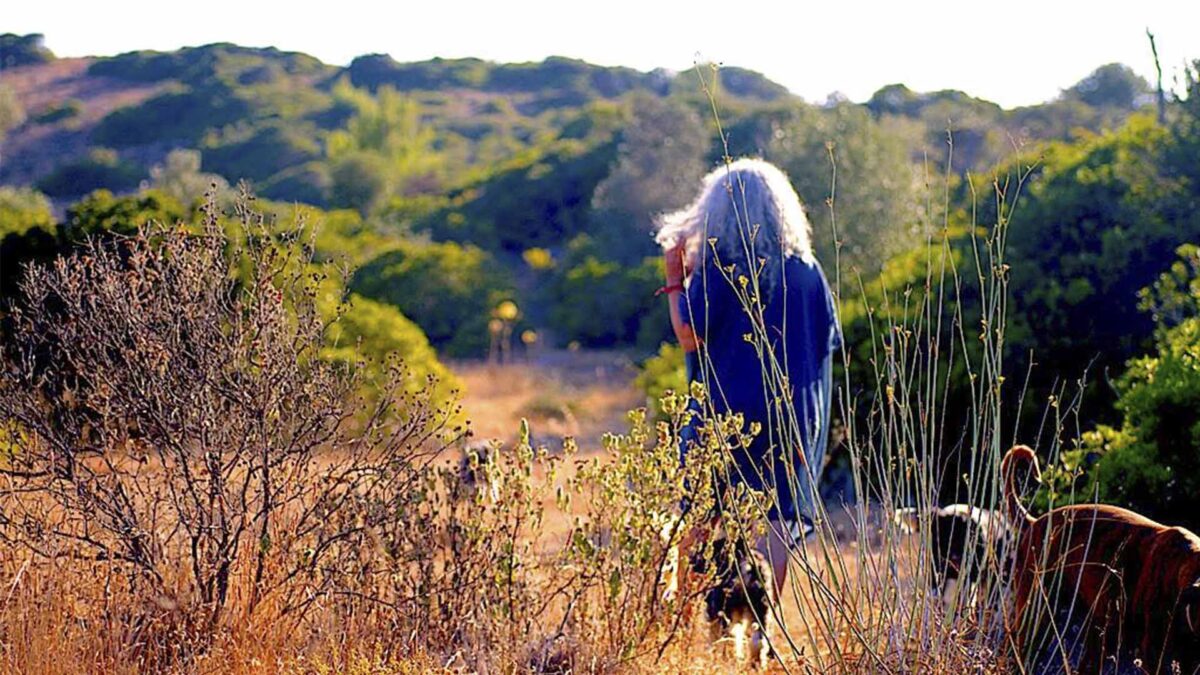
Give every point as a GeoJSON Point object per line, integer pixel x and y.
{"type": "Point", "coordinates": [1014, 52]}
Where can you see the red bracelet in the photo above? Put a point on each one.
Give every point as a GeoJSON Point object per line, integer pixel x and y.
{"type": "Point", "coordinates": [668, 289]}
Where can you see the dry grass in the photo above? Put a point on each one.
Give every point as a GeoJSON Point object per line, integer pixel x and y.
{"type": "Point", "coordinates": [562, 393]}
{"type": "Point", "coordinates": [854, 603]}
{"type": "Point", "coordinates": [58, 619]}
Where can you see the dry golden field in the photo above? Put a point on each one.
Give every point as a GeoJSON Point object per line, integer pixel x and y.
{"type": "Point", "coordinates": [72, 617]}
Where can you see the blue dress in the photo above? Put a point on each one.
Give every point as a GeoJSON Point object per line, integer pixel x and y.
{"type": "Point", "coordinates": [802, 333]}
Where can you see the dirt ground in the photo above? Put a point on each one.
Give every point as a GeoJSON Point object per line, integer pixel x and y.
{"type": "Point", "coordinates": [582, 394]}
{"type": "Point", "coordinates": [585, 394]}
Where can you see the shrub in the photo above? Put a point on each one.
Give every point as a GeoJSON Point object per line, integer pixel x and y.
{"type": "Point", "coordinates": [359, 181]}
{"type": "Point", "coordinates": [194, 65]}
{"type": "Point", "coordinates": [59, 112]}
{"type": "Point", "coordinates": [23, 209]}
{"type": "Point", "coordinates": [1097, 220]}
{"type": "Point", "coordinates": [1150, 461]}
{"type": "Point", "coordinates": [369, 333]}
{"type": "Point", "coordinates": [179, 177]}
{"type": "Point", "coordinates": [174, 413]}
{"type": "Point", "coordinates": [603, 303]}
{"type": "Point", "coordinates": [28, 233]}
{"type": "Point", "coordinates": [101, 169]}
{"type": "Point", "coordinates": [177, 116]}
{"type": "Point", "coordinates": [308, 183]}
{"type": "Point", "coordinates": [12, 113]}
{"type": "Point", "coordinates": [541, 198]}
{"type": "Point", "coordinates": [23, 50]}
{"type": "Point", "coordinates": [446, 289]}
{"type": "Point", "coordinates": [662, 373]}
{"type": "Point", "coordinates": [101, 212]}
{"type": "Point", "coordinates": [264, 152]}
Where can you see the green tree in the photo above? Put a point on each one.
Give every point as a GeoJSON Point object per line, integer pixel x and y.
{"type": "Point", "coordinates": [372, 333]}
{"type": "Point", "coordinates": [604, 303]}
{"type": "Point", "coordinates": [540, 198]}
{"type": "Point", "coordinates": [28, 234]}
{"type": "Point", "coordinates": [23, 50]}
{"type": "Point", "coordinates": [1114, 85]}
{"type": "Point", "coordinates": [660, 161]}
{"type": "Point", "coordinates": [663, 372]}
{"type": "Point", "coordinates": [100, 169]}
{"type": "Point", "coordinates": [876, 204]}
{"type": "Point", "coordinates": [1150, 460]}
{"type": "Point", "coordinates": [180, 177]}
{"type": "Point", "coordinates": [385, 142]}
{"type": "Point", "coordinates": [360, 181]}
{"type": "Point", "coordinates": [102, 212]}
{"type": "Point", "coordinates": [447, 289]}
{"type": "Point", "coordinates": [1093, 224]}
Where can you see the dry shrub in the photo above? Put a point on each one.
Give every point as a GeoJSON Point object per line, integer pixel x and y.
{"type": "Point", "coordinates": [188, 486]}
{"type": "Point", "coordinates": [632, 601]}
{"type": "Point", "coordinates": [177, 422]}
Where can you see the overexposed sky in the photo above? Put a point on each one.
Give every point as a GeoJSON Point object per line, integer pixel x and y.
{"type": "Point", "coordinates": [1014, 52]}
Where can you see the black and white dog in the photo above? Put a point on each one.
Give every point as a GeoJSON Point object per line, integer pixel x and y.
{"type": "Point", "coordinates": [477, 472]}
{"type": "Point", "coordinates": [966, 543]}
{"type": "Point", "coordinates": [739, 603]}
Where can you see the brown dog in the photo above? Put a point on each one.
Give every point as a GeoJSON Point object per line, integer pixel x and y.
{"type": "Point", "coordinates": [1132, 584]}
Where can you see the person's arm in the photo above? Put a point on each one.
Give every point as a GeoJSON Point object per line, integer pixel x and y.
{"type": "Point", "coordinates": [675, 275]}
{"type": "Point", "coordinates": [683, 332]}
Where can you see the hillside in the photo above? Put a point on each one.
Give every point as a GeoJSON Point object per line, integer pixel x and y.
{"type": "Point", "coordinates": [266, 115]}
{"type": "Point", "coordinates": [453, 186]}
{"type": "Point", "coordinates": [262, 114]}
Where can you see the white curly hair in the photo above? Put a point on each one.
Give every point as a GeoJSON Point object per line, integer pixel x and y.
{"type": "Point", "coordinates": [747, 208]}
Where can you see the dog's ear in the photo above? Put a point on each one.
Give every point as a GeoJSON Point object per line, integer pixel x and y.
{"type": "Point", "coordinates": [1189, 607]}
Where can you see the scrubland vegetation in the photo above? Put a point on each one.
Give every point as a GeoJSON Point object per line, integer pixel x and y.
{"type": "Point", "coordinates": [230, 442]}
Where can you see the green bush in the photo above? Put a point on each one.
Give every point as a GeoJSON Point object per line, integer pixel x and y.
{"type": "Point", "coordinates": [359, 181]}
{"type": "Point", "coordinates": [180, 177]}
{"type": "Point", "coordinates": [447, 289]}
{"type": "Point", "coordinates": [373, 332]}
{"type": "Point", "coordinates": [664, 372]}
{"type": "Point", "coordinates": [176, 116]}
{"type": "Point", "coordinates": [102, 212]}
{"type": "Point", "coordinates": [23, 209]}
{"type": "Point", "coordinates": [23, 50]}
{"type": "Point", "coordinates": [308, 183]}
{"type": "Point", "coordinates": [1094, 223]}
{"type": "Point", "coordinates": [601, 302]}
{"type": "Point", "coordinates": [12, 113]}
{"type": "Point", "coordinates": [542, 198]}
{"type": "Point", "coordinates": [57, 112]}
{"type": "Point", "coordinates": [196, 65]}
{"type": "Point", "coordinates": [1150, 461]}
{"type": "Point", "coordinates": [28, 233]}
{"type": "Point", "coordinates": [264, 152]}
{"type": "Point", "coordinates": [100, 169]}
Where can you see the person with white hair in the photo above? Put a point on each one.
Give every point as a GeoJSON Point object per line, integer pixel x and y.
{"type": "Point", "coordinates": [755, 316]}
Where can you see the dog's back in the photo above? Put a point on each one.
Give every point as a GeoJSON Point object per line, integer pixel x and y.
{"type": "Point", "coordinates": [1120, 575]}
{"type": "Point", "coordinates": [967, 544]}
